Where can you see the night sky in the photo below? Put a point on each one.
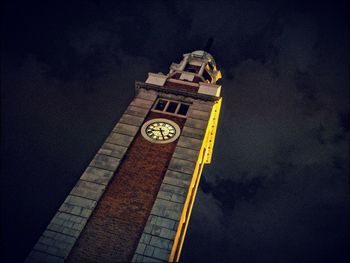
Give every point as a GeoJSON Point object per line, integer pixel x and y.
{"type": "Point", "coordinates": [277, 189]}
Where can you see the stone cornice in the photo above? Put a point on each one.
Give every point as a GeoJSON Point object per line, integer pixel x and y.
{"type": "Point", "coordinates": [175, 91]}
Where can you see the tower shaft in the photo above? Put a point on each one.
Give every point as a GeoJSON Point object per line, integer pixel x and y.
{"type": "Point", "coordinates": [134, 200]}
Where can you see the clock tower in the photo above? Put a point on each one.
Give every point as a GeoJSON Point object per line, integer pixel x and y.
{"type": "Point", "coordinates": [133, 202]}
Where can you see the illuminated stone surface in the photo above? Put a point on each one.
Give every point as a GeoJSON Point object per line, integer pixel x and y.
{"type": "Point", "coordinates": [134, 200]}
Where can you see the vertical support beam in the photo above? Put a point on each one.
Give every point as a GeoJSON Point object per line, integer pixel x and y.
{"type": "Point", "coordinates": [200, 73]}
{"type": "Point", "coordinates": [184, 63]}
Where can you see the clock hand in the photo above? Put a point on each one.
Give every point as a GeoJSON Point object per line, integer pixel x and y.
{"type": "Point", "coordinates": [161, 132]}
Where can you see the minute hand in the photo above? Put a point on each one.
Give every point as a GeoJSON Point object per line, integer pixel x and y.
{"type": "Point", "coordinates": [161, 132]}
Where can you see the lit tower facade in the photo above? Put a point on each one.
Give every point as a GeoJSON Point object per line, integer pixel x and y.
{"type": "Point", "coordinates": [133, 202]}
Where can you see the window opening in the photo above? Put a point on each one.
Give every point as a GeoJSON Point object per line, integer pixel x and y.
{"type": "Point", "coordinates": [183, 109]}
{"type": "Point", "coordinates": [192, 68]}
{"type": "Point", "coordinates": [161, 105]}
{"type": "Point", "coordinates": [207, 76]}
{"type": "Point", "coordinates": [172, 107]}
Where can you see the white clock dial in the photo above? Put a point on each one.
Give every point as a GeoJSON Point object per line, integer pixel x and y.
{"type": "Point", "coordinates": [160, 130]}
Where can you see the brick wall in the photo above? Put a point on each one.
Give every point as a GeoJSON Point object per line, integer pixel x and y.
{"type": "Point", "coordinates": [113, 231]}
{"type": "Point", "coordinates": [165, 229]}
{"type": "Point", "coordinates": [180, 86]}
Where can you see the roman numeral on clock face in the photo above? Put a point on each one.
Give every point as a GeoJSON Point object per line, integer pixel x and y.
{"type": "Point", "coordinates": [160, 131]}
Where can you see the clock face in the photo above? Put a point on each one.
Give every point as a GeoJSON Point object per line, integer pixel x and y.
{"type": "Point", "coordinates": [160, 131]}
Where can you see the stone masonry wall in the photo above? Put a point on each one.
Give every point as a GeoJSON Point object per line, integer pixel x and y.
{"type": "Point", "coordinates": [163, 224]}
{"type": "Point", "coordinates": [61, 234]}
{"type": "Point", "coordinates": [113, 231]}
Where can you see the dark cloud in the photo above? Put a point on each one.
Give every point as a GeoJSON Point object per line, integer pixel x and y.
{"type": "Point", "coordinates": [344, 121]}
{"type": "Point", "coordinates": [281, 127]}
{"type": "Point", "coordinates": [227, 192]}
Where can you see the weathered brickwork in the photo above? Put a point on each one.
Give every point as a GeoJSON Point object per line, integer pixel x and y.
{"type": "Point", "coordinates": [157, 240]}
{"type": "Point", "coordinates": [101, 220]}
{"type": "Point", "coordinates": [181, 86]}
{"type": "Point", "coordinates": [114, 229]}
{"type": "Point", "coordinates": [66, 226]}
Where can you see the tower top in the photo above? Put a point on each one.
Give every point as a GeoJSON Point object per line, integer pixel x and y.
{"type": "Point", "coordinates": [203, 55]}
{"type": "Point", "coordinates": [195, 73]}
